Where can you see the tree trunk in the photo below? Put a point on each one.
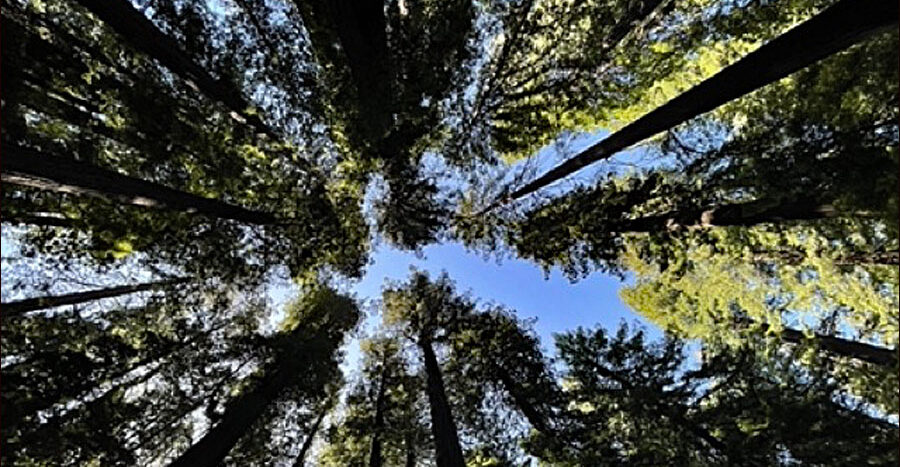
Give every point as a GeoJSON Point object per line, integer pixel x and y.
{"type": "Point", "coordinates": [410, 450]}
{"type": "Point", "coordinates": [26, 167]}
{"type": "Point", "coordinates": [20, 307]}
{"type": "Point", "coordinates": [537, 420]}
{"type": "Point", "coordinates": [310, 437]}
{"type": "Point", "coordinates": [888, 257]}
{"type": "Point", "coordinates": [738, 214]}
{"type": "Point", "coordinates": [361, 28]}
{"type": "Point", "coordinates": [835, 345]}
{"type": "Point", "coordinates": [144, 36]}
{"type": "Point", "coordinates": [239, 417]}
{"type": "Point", "coordinates": [40, 219]}
{"type": "Point", "coordinates": [375, 457]}
{"type": "Point", "coordinates": [845, 348]}
{"type": "Point", "coordinates": [446, 439]}
{"type": "Point", "coordinates": [836, 28]}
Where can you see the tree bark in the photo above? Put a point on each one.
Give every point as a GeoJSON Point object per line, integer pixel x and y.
{"type": "Point", "coordinates": [836, 28]}
{"type": "Point", "coordinates": [537, 420]}
{"type": "Point", "coordinates": [410, 450]}
{"type": "Point", "coordinates": [361, 28]}
{"type": "Point", "coordinates": [145, 37]}
{"type": "Point", "coordinates": [888, 257]}
{"type": "Point", "coordinates": [446, 439]}
{"type": "Point", "coordinates": [40, 219]}
{"type": "Point", "coordinates": [375, 456]}
{"type": "Point", "coordinates": [744, 214]}
{"type": "Point", "coordinates": [19, 307]}
{"type": "Point", "coordinates": [845, 348]}
{"type": "Point", "coordinates": [307, 443]}
{"type": "Point", "coordinates": [239, 417]}
{"type": "Point", "coordinates": [27, 167]}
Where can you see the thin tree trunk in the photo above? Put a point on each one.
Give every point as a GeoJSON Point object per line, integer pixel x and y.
{"type": "Point", "coordinates": [375, 457]}
{"type": "Point", "coordinates": [738, 214]}
{"type": "Point", "coordinates": [836, 28]}
{"type": "Point", "coordinates": [446, 439]}
{"type": "Point", "coordinates": [835, 345]}
{"type": "Point", "coordinates": [888, 257]}
{"type": "Point", "coordinates": [410, 450]}
{"type": "Point", "coordinates": [40, 219]}
{"type": "Point", "coordinates": [19, 307]}
{"type": "Point", "coordinates": [144, 36]}
{"type": "Point", "coordinates": [845, 348]}
{"type": "Point", "coordinates": [537, 420]}
{"type": "Point", "coordinates": [27, 167]}
{"type": "Point", "coordinates": [239, 417]}
{"type": "Point", "coordinates": [300, 461]}
{"type": "Point", "coordinates": [794, 257]}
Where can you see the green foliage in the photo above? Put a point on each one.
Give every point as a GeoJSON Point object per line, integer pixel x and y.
{"type": "Point", "coordinates": [633, 402]}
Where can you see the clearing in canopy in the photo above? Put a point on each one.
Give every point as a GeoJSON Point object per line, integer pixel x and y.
{"type": "Point", "coordinates": [198, 196]}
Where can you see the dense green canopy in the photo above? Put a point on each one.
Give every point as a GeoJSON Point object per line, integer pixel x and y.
{"type": "Point", "coordinates": [166, 164]}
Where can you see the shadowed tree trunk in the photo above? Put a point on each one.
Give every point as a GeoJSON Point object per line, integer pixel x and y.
{"type": "Point", "coordinates": [835, 345]}
{"type": "Point", "coordinates": [27, 167]}
{"type": "Point", "coordinates": [838, 27]}
{"type": "Point", "coordinates": [361, 28]}
{"type": "Point", "coordinates": [375, 456]}
{"type": "Point", "coordinates": [240, 416]}
{"type": "Point", "coordinates": [537, 420]}
{"type": "Point", "coordinates": [41, 219]}
{"type": "Point", "coordinates": [739, 214]}
{"type": "Point", "coordinates": [410, 450]}
{"type": "Point", "coordinates": [310, 437]}
{"type": "Point", "coordinates": [144, 36]}
{"type": "Point", "coordinates": [19, 307]}
{"type": "Point", "coordinates": [446, 439]}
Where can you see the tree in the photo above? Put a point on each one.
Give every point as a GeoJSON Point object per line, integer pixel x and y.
{"type": "Point", "coordinates": [425, 308]}
{"type": "Point", "coordinates": [19, 307]}
{"type": "Point", "coordinates": [99, 102]}
{"type": "Point", "coordinates": [838, 318]}
{"type": "Point", "coordinates": [382, 422]}
{"type": "Point", "coordinates": [631, 401]}
{"type": "Point", "coordinates": [31, 168]}
{"type": "Point", "coordinates": [815, 159]}
{"type": "Point", "coordinates": [69, 375]}
{"type": "Point", "coordinates": [841, 25]}
{"type": "Point", "coordinates": [147, 38]}
{"type": "Point", "coordinates": [305, 354]}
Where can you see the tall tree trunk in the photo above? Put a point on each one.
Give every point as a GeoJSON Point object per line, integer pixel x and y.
{"type": "Point", "coordinates": [361, 28]}
{"type": "Point", "coordinates": [537, 420]}
{"type": "Point", "coordinates": [144, 36]}
{"type": "Point", "coordinates": [27, 167]}
{"type": "Point", "coordinates": [835, 345]}
{"type": "Point", "coordinates": [446, 439]}
{"type": "Point", "coordinates": [410, 450]}
{"type": "Point", "coordinates": [239, 417]}
{"type": "Point", "coordinates": [300, 461]}
{"type": "Point", "coordinates": [838, 27]}
{"type": "Point", "coordinates": [19, 307]}
{"type": "Point", "coordinates": [40, 219]}
{"type": "Point", "coordinates": [744, 214]}
{"type": "Point", "coordinates": [845, 348]}
{"type": "Point", "coordinates": [375, 456]}
{"type": "Point", "coordinates": [886, 257]}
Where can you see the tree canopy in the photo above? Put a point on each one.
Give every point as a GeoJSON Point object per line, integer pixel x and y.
{"type": "Point", "coordinates": [169, 168]}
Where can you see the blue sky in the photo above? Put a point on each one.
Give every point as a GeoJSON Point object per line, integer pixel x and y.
{"type": "Point", "coordinates": [558, 304]}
